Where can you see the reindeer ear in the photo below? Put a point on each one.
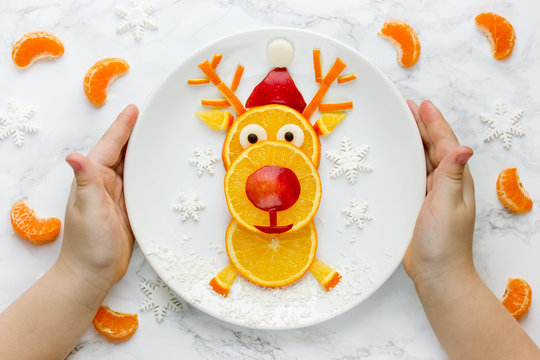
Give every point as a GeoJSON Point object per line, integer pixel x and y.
{"type": "Point", "coordinates": [216, 119]}
{"type": "Point", "coordinates": [328, 121]}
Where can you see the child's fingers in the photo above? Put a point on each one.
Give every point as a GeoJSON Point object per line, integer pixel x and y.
{"type": "Point", "coordinates": [468, 188]}
{"type": "Point", "coordinates": [87, 181]}
{"type": "Point", "coordinates": [108, 150]}
{"type": "Point", "coordinates": [423, 133]}
{"type": "Point", "coordinates": [448, 177]}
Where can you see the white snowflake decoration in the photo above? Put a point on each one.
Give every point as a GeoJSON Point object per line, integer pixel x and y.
{"type": "Point", "coordinates": [136, 17]}
{"type": "Point", "coordinates": [503, 124]}
{"type": "Point", "coordinates": [356, 213]}
{"type": "Point", "coordinates": [204, 161]}
{"type": "Point", "coordinates": [189, 206]}
{"type": "Point", "coordinates": [160, 298]}
{"type": "Point", "coordinates": [16, 122]}
{"type": "Point", "coordinates": [349, 160]}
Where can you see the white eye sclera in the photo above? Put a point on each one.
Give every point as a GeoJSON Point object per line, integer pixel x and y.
{"type": "Point", "coordinates": [291, 133]}
{"type": "Point", "coordinates": [252, 134]}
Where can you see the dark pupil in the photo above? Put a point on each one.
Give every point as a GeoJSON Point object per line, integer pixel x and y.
{"type": "Point", "coordinates": [289, 136]}
{"type": "Point", "coordinates": [252, 138]}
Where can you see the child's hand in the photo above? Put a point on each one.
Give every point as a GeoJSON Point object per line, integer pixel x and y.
{"type": "Point", "coordinates": [442, 239]}
{"type": "Point", "coordinates": [98, 240]}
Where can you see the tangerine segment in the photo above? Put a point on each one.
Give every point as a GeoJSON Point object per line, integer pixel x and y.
{"type": "Point", "coordinates": [115, 325]}
{"type": "Point", "coordinates": [36, 46]}
{"type": "Point", "coordinates": [216, 119]}
{"type": "Point", "coordinates": [28, 225]}
{"type": "Point", "coordinates": [328, 121]}
{"type": "Point", "coordinates": [271, 260]}
{"type": "Point", "coordinates": [511, 192]}
{"type": "Point", "coordinates": [403, 37]}
{"type": "Point", "coordinates": [324, 274]}
{"type": "Point", "coordinates": [274, 153]}
{"type": "Point", "coordinates": [517, 297]}
{"type": "Point", "coordinates": [271, 118]}
{"type": "Point", "coordinates": [222, 282]}
{"type": "Point", "coordinates": [500, 33]}
{"type": "Point", "coordinates": [99, 77]}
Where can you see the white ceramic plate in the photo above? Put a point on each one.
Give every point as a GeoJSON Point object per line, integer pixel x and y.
{"type": "Point", "coordinates": [187, 254]}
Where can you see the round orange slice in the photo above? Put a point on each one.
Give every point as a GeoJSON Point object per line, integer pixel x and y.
{"type": "Point", "coordinates": [403, 37]}
{"type": "Point", "coordinates": [517, 297]}
{"type": "Point", "coordinates": [99, 77]}
{"type": "Point", "coordinates": [500, 33]}
{"type": "Point", "coordinates": [115, 325]}
{"type": "Point", "coordinates": [511, 192]}
{"type": "Point", "coordinates": [269, 120]}
{"type": "Point", "coordinates": [271, 260]}
{"type": "Point", "coordinates": [28, 225]}
{"type": "Point", "coordinates": [279, 154]}
{"type": "Point", "coordinates": [35, 46]}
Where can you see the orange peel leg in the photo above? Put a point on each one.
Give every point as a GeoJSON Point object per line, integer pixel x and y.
{"type": "Point", "coordinates": [317, 65]}
{"type": "Point", "coordinates": [336, 106]}
{"type": "Point", "coordinates": [215, 102]}
{"type": "Point", "coordinates": [216, 60]}
{"type": "Point", "coordinates": [233, 99]}
{"type": "Point", "coordinates": [237, 77]}
{"type": "Point", "coordinates": [198, 81]}
{"type": "Point", "coordinates": [222, 282]}
{"type": "Point", "coordinates": [210, 73]}
{"type": "Point", "coordinates": [345, 78]}
{"type": "Point", "coordinates": [324, 274]}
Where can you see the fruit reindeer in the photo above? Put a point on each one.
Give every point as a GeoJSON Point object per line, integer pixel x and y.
{"type": "Point", "coordinates": [271, 154]}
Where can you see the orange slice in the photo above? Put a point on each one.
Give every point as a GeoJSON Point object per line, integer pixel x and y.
{"type": "Point", "coordinates": [500, 33]}
{"type": "Point", "coordinates": [115, 325]}
{"type": "Point", "coordinates": [99, 77]}
{"type": "Point", "coordinates": [279, 154]}
{"type": "Point", "coordinates": [324, 274]}
{"type": "Point", "coordinates": [517, 297]}
{"type": "Point", "coordinates": [403, 37]}
{"type": "Point", "coordinates": [29, 226]}
{"type": "Point", "coordinates": [328, 121]}
{"type": "Point", "coordinates": [223, 281]}
{"type": "Point", "coordinates": [271, 118]}
{"type": "Point", "coordinates": [36, 46]}
{"type": "Point", "coordinates": [511, 192]}
{"type": "Point", "coordinates": [270, 260]}
{"type": "Point", "coordinates": [216, 119]}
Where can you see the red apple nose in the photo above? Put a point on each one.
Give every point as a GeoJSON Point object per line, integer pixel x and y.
{"type": "Point", "coordinates": [273, 188]}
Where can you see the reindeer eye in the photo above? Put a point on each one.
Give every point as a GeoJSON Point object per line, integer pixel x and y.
{"type": "Point", "coordinates": [251, 134]}
{"type": "Point", "coordinates": [291, 133]}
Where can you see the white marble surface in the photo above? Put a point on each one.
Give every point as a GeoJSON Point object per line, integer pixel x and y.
{"type": "Point", "coordinates": [456, 70]}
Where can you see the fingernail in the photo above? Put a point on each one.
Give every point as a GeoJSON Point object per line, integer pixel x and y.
{"type": "Point", "coordinates": [74, 165]}
{"type": "Point", "coordinates": [463, 158]}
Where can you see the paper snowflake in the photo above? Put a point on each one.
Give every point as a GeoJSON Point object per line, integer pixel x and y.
{"type": "Point", "coordinates": [356, 213]}
{"type": "Point", "coordinates": [160, 298]}
{"type": "Point", "coordinates": [16, 122]}
{"type": "Point", "coordinates": [204, 161]}
{"type": "Point", "coordinates": [189, 206]}
{"type": "Point", "coordinates": [136, 17]}
{"type": "Point", "coordinates": [503, 124]}
{"type": "Point", "coordinates": [349, 160]}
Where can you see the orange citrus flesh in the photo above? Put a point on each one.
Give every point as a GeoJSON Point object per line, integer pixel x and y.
{"type": "Point", "coordinates": [271, 118]}
{"type": "Point", "coordinates": [517, 297]}
{"type": "Point", "coordinates": [324, 274]}
{"type": "Point", "coordinates": [271, 260]}
{"type": "Point", "coordinates": [115, 325]}
{"type": "Point", "coordinates": [500, 33]}
{"type": "Point", "coordinates": [223, 281]}
{"type": "Point", "coordinates": [403, 37]}
{"type": "Point", "coordinates": [35, 46]}
{"type": "Point", "coordinates": [328, 121]}
{"type": "Point", "coordinates": [345, 78]}
{"type": "Point", "coordinates": [99, 77]}
{"type": "Point", "coordinates": [511, 192]}
{"type": "Point", "coordinates": [216, 119]}
{"type": "Point", "coordinates": [28, 225]}
{"type": "Point", "coordinates": [272, 153]}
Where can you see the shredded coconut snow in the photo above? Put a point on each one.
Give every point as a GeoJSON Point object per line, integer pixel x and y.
{"type": "Point", "coordinates": [503, 124]}
{"type": "Point", "coordinates": [349, 159]}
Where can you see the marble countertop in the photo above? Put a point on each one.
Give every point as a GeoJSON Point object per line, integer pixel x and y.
{"type": "Point", "coordinates": [456, 71]}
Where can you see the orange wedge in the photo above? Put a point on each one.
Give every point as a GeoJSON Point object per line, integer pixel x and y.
{"type": "Point", "coordinates": [500, 33]}
{"type": "Point", "coordinates": [511, 192]}
{"type": "Point", "coordinates": [328, 121]}
{"type": "Point", "coordinates": [324, 274]}
{"type": "Point", "coordinates": [28, 225]}
{"type": "Point", "coordinates": [115, 325]}
{"type": "Point", "coordinates": [271, 118]}
{"type": "Point", "coordinates": [403, 37]}
{"type": "Point", "coordinates": [99, 77]}
{"type": "Point", "coordinates": [35, 46]}
{"type": "Point", "coordinates": [517, 297]}
{"type": "Point", "coordinates": [270, 260]}
{"type": "Point", "coordinates": [223, 281]}
{"type": "Point", "coordinates": [216, 119]}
